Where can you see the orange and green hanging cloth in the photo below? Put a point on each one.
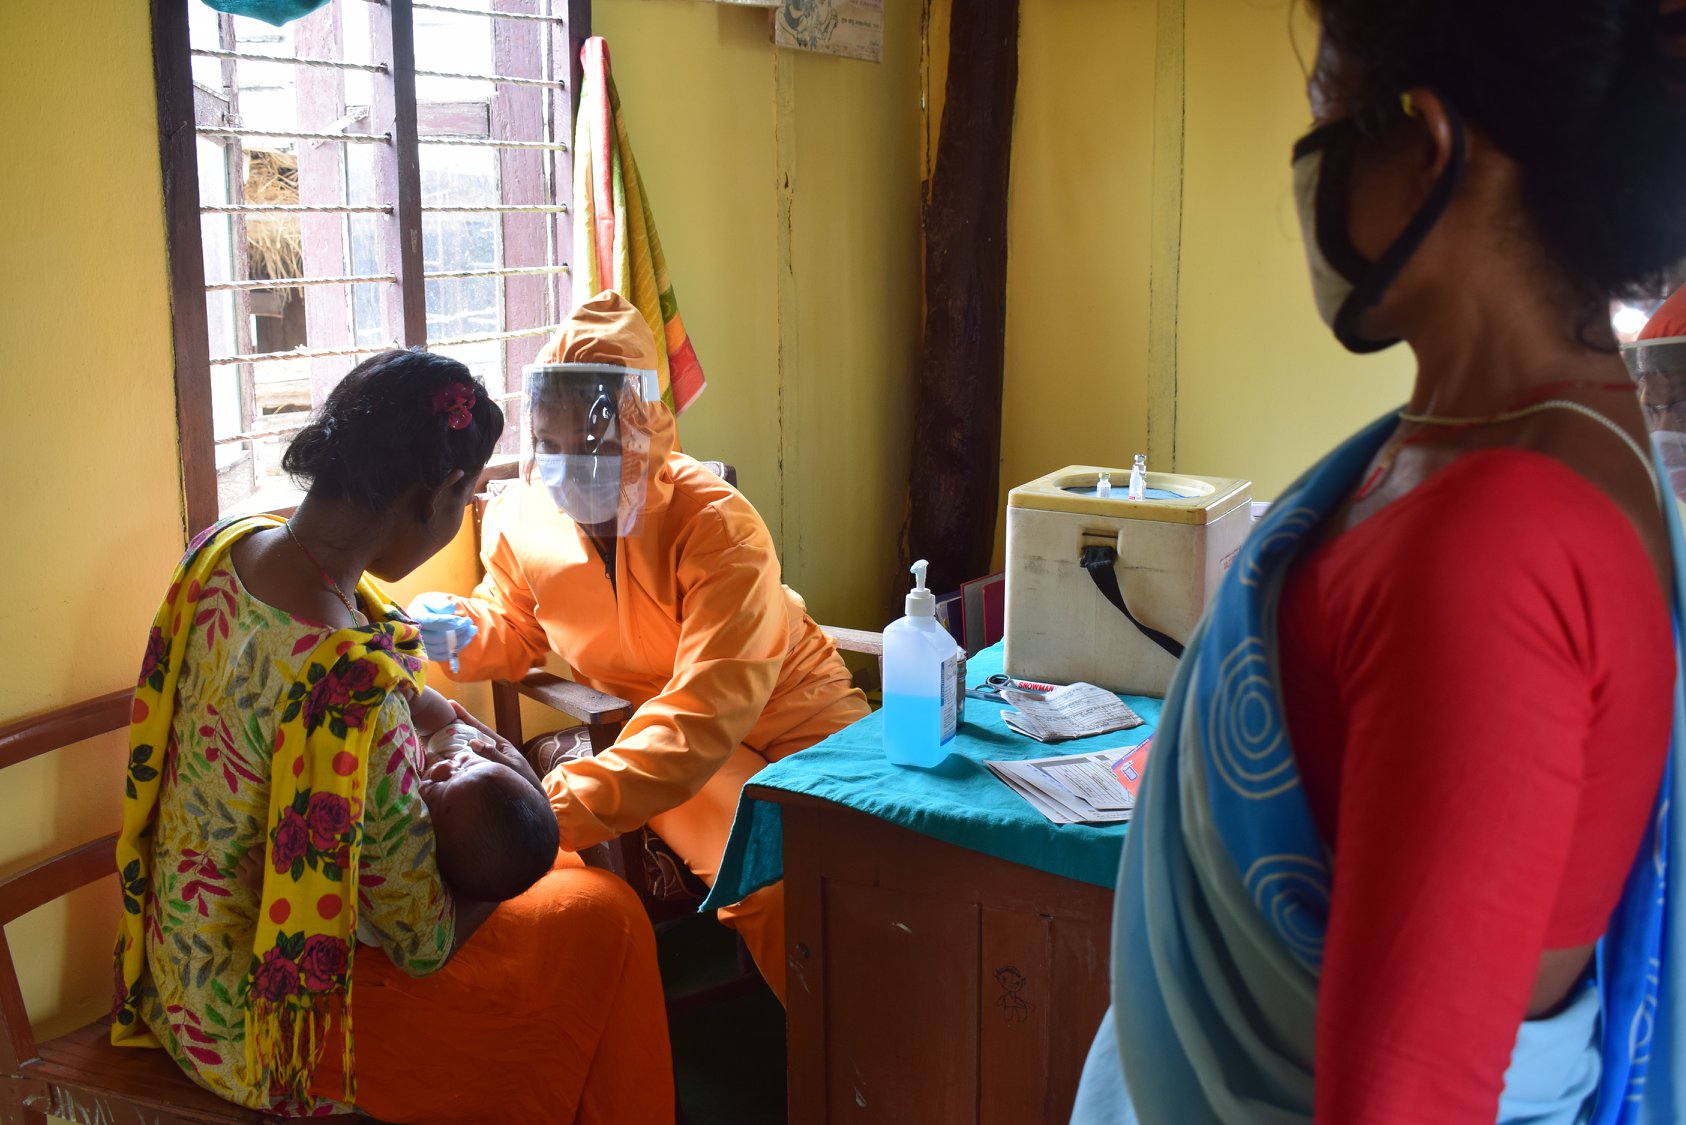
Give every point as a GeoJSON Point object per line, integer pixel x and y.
{"type": "Point", "coordinates": [615, 241]}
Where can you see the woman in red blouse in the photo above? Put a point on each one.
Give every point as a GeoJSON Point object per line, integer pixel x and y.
{"type": "Point", "coordinates": [1418, 743]}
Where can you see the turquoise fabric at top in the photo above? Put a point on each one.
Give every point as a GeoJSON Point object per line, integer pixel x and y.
{"type": "Point", "coordinates": [273, 12]}
{"type": "Point", "coordinates": [959, 802]}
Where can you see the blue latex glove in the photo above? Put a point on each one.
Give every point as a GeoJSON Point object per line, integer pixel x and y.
{"type": "Point", "coordinates": [444, 630]}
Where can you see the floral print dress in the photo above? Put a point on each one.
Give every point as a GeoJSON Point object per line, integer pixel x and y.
{"type": "Point", "coordinates": [213, 804]}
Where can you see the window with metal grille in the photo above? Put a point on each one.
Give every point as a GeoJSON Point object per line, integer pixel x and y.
{"type": "Point", "coordinates": [380, 173]}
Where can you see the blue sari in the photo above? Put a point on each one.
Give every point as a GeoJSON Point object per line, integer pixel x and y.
{"type": "Point", "coordinates": [1223, 897]}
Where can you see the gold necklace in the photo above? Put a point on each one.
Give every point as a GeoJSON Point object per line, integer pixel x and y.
{"type": "Point", "coordinates": [1385, 463]}
{"type": "Point", "coordinates": [321, 570]}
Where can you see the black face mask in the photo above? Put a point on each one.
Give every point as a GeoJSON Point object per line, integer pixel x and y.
{"type": "Point", "coordinates": [1346, 284]}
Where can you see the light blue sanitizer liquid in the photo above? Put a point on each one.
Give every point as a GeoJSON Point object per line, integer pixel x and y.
{"type": "Point", "coordinates": [913, 729]}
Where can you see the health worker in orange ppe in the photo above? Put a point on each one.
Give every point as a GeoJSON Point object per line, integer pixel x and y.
{"type": "Point", "coordinates": [655, 581]}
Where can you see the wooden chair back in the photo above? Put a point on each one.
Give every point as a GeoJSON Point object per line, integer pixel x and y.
{"type": "Point", "coordinates": [81, 1076]}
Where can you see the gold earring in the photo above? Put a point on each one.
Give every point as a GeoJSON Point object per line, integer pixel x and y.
{"type": "Point", "coordinates": [1406, 104]}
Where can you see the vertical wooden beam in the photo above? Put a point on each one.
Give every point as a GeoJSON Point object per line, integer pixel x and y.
{"type": "Point", "coordinates": [238, 242]}
{"type": "Point", "coordinates": [320, 100]}
{"type": "Point", "coordinates": [956, 467]}
{"type": "Point", "coordinates": [398, 176]}
{"type": "Point", "coordinates": [565, 111]}
{"type": "Point", "coordinates": [784, 526]}
{"type": "Point", "coordinates": [189, 331]}
{"type": "Point", "coordinates": [1165, 224]}
{"type": "Point", "coordinates": [517, 113]}
{"type": "Point", "coordinates": [406, 213]}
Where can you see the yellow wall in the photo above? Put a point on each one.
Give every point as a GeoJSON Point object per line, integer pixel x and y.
{"type": "Point", "coordinates": [88, 456]}
{"type": "Point", "coordinates": [1262, 387]}
{"type": "Point", "coordinates": [1078, 246]}
{"type": "Point", "coordinates": [1157, 291]}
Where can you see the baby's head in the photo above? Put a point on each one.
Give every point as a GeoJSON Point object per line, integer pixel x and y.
{"type": "Point", "coordinates": [495, 832]}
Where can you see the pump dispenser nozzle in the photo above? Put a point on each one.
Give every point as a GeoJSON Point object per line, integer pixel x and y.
{"type": "Point", "coordinates": [920, 601]}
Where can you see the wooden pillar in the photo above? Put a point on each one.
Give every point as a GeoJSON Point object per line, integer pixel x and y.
{"type": "Point", "coordinates": [518, 113]}
{"type": "Point", "coordinates": [320, 96]}
{"type": "Point", "coordinates": [955, 480]}
{"type": "Point", "coordinates": [398, 168]}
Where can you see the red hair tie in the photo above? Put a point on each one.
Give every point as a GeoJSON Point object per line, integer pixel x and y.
{"type": "Point", "coordinates": [455, 402]}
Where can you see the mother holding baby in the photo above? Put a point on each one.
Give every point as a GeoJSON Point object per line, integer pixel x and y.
{"type": "Point", "coordinates": [288, 934]}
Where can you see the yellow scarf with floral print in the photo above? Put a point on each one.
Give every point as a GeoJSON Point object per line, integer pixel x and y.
{"type": "Point", "coordinates": [301, 959]}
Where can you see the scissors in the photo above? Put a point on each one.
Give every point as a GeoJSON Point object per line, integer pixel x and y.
{"type": "Point", "coordinates": [990, 689]}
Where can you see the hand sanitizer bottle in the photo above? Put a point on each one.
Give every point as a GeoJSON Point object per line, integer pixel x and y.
{"type": "Point", "coordinates": [921, 703]}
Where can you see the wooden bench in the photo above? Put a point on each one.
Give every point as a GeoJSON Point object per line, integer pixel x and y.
{"type": "Point", "coordinates": [80, 1076]}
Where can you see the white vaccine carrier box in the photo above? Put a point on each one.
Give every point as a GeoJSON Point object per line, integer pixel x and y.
{"type": "Point", "coordinates": [1169, 551]}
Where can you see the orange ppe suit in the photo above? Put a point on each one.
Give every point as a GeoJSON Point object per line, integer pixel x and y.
{"type": "Point", "coordinates": [723, 665]}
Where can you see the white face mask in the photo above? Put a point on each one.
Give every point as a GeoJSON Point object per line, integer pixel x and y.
{"type": "Point", "coordinates": [584, 485]}
{"type": "Point", "coordinates": [1345, 284]}
{"type": "Point", "coordinates": [1328, 288]}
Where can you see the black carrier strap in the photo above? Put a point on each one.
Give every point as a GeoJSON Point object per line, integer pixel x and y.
{"type": "Point", "coordinates": [1101, 563]}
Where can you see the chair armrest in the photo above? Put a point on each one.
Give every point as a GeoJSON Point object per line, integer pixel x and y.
{"type": "Point", "coordinates": [588, 705]}
{"type": "Point", "coordinates": [856, 640]}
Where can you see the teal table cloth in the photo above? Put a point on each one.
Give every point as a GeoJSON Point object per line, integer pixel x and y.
{"type": "Point", "coordinates": [958, 801]}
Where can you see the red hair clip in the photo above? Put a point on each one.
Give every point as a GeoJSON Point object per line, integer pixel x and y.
{"type": "Point", "coordinates": [455, 401]}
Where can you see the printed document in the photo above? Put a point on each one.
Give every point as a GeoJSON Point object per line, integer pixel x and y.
{"type": "Point", "coordinates": [1074, 711]}
{"type": "Point", "coordinates": [1098, 787]}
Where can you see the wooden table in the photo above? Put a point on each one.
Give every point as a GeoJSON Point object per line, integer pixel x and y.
{"type": "Point", "coordinates": [929, 983]}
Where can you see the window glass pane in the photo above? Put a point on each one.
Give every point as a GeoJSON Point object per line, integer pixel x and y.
{"type": "Point", "coordinates": [455, 44]}
{"type": "Point", "coordinates": [454, 242]}
{"type": "Point", "coordinates": [484, 359]}
{"type": "Point", "coordinates": [374, 311]}
{"type": "Point", "coordinates": [359, 88]}
{"type": "Point", "coordinates": [202, 31]}
{"type": "Point", "coordinates": [371, 324]}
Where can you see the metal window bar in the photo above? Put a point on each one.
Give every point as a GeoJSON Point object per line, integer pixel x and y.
{"type": "Point", "coordinates": [247, 56]}
{"type": "Point", "coordinates": [296, 282]}
{"type": "Point", "coordinates": [345, 138]}
{"type": "Point", "coordinates": [480, 142]}
{"type": "Point", "coordinates": [502, 79]}
{"type": "Point", "coordinates": [380, 209]}
{"type": "Point", "coordinates": [257, 435]}
{"type": "Point", "coordinates": [420, 7]}
{"type": "Point", "coordinates": [495, 208]}
{"type": "Point", "coordinates": [297, 353]}
{"type": "Point", "coordinates": [286, 431]}
{"type": "Point", "coordinates": [291, 209]}
{"type": "Point", "coordinates": [516, 334]}
{"type": "Point", "coordinates": [500, 271]}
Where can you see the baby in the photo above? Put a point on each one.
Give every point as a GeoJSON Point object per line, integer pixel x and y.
{"type": "Point", "coordinates": [494, 833]}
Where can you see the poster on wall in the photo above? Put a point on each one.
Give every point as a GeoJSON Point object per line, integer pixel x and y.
{"type": "Point", "coordinates": [853, 29]}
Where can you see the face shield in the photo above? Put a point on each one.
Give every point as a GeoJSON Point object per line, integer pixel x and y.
{"type": "Point", "coordinates": [1659, 368]}
{"type": "Point", "coordinates": [590, 429]}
